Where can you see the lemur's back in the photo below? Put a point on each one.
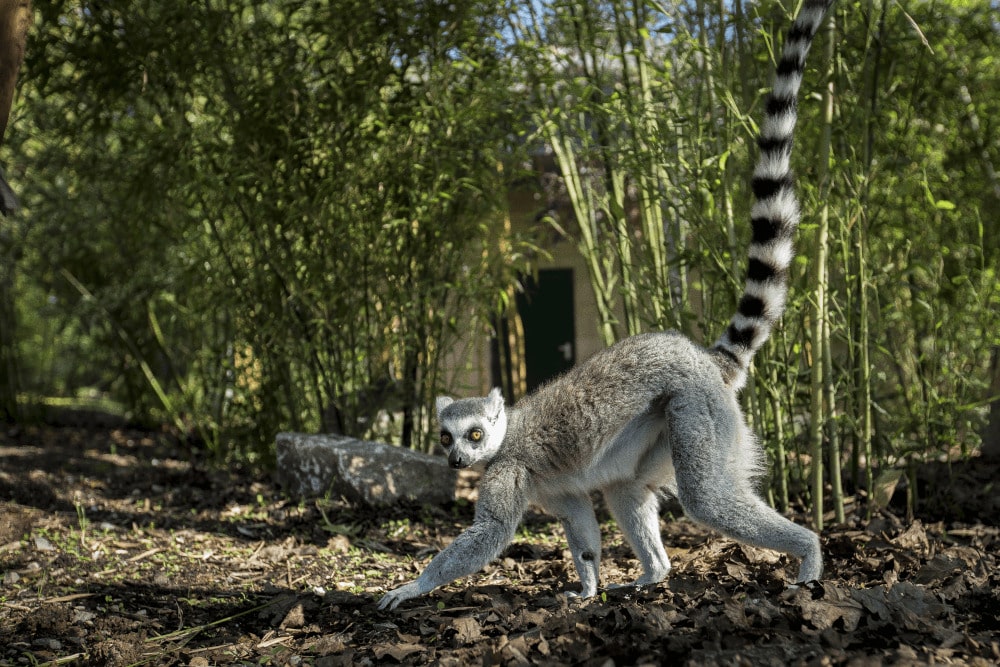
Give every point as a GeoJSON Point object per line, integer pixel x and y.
{"type": "Point", "coordinates": [582, 410]}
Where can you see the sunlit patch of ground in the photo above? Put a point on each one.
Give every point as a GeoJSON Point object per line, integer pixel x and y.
{"type": "Point", "coordinates": [118, 547]}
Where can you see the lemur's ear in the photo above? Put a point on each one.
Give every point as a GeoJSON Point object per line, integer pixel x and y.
{"type": "Point", "coordinates": [494, 403]}
{"type": "Point", "coordinates": [441, 402]}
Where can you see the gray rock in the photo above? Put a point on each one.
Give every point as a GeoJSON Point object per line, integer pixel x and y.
{"type": "Point", "coordinates": [368, 473]}
{"type": "Point", "coordinates": [43, 544]}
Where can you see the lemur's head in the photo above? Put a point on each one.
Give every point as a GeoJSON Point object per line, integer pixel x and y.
{"type": "Point", "coordinates": [472, 429]}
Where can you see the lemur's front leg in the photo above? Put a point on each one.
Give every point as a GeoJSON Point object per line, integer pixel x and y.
{"type": "Point", "coordinates": [502, 502]}
{"type": "Point", "coordinates": [470, 552]}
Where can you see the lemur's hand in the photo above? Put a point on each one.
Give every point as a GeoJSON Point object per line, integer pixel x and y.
{"type": "Point", "coordinates": [392, 599]}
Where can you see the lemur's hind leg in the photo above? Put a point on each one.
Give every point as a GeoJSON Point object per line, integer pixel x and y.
{"type": "Point", "coordinates": [576, 512]}
{"type": "Point", "coordinates": [714, 463]}
{"type": "Point", "coordinates": [636, 509]}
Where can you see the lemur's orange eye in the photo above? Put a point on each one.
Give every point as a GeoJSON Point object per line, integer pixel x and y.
{"type": "Point", "coordinates": [476, 434]}
{"type": "Point", "coordinates": [445, 439]}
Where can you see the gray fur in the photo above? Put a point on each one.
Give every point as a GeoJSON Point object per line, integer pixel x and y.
{"type": "Point", "coordinates": [653, 411]}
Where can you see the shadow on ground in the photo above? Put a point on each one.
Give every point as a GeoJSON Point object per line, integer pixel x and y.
{"type": "Point", "coordinates": [120, 546]}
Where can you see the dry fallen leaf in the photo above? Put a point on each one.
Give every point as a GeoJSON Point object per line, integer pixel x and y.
{"type": "Point", "coordinates": [835, 605]}
{"type": "Point", "coordinates": [398, 651]}
{"type": "Point", "coordinates": [467, 630]}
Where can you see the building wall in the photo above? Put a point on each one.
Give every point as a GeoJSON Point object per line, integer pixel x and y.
{"type": "Point", "coordinates": [466, 370]}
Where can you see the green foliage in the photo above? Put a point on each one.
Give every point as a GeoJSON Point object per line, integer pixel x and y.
{"type": "Point", "coordinates": [249, 217]}
{"type": "Point", "coordinates": [244, 217]}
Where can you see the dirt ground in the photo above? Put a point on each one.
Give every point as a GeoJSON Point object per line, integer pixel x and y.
{"type": "Point", "coordinates": [117, 549]}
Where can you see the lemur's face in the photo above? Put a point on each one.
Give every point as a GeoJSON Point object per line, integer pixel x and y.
{"type": "Point", "coordinates": [472, 429]}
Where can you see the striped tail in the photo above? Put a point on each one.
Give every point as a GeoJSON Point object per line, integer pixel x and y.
{"type": "Point", "coordinates": [775, 214]}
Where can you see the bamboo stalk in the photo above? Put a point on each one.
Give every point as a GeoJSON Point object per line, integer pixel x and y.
{"type": "Point", "coordinates": [864, 373]}
{"type": "Point", "coordinates": [820, 280]}
{"type": "Point", "coordinates": [651, 178]}
{"type": "Point", "coordinates": [816, 389]}
{"type": "Point", "coordinates": [588, 242]}
{"type": "Point", "coordinates": [778, 417]}
{"type": "Point", "coordinates": [833, 436]}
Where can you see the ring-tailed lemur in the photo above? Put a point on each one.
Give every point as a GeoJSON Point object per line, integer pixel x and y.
{"type": "Point", "coordinates": [652, 411]}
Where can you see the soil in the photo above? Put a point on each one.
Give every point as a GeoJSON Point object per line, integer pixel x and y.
{"type": "Point", "coordinates": [123, 547]}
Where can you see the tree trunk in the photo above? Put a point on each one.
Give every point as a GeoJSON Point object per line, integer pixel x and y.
{"type": "Point", "coordinates": [15, 17]}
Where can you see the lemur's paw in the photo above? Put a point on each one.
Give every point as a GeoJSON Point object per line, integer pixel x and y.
{"type": "Point", "coordinates": [812, 585]}
{"type": "Point", "coordinates": [635, 586]}
{"type": "Point", "coordinates": [392, 599]}
{"type": "Point", "coordinates": [649, 579]}
{"type": "Point", "coordinates": [582, 595]}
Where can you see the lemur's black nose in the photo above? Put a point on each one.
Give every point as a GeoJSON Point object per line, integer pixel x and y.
{"type": "Point", "coordinates": [456, 462]}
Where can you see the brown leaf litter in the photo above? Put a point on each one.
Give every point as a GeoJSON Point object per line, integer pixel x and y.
{"type": "Point", "coordinates": [121, 547]}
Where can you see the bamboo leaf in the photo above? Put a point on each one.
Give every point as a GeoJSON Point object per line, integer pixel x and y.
{"type": "Point", "coordinates": [884, 487]}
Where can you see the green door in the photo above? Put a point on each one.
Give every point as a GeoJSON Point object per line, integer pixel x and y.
{"type": "Point", "coordinates": [546, 310]}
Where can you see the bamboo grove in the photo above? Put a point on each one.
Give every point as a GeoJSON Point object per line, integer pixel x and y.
{"type": "Point", "coordinates": [244, 218]}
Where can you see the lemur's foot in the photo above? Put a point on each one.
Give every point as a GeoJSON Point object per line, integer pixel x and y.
{"type": "Point", "coordinates": [647, 579]}
{"type": "Point", "coordinates": [585, 592]}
